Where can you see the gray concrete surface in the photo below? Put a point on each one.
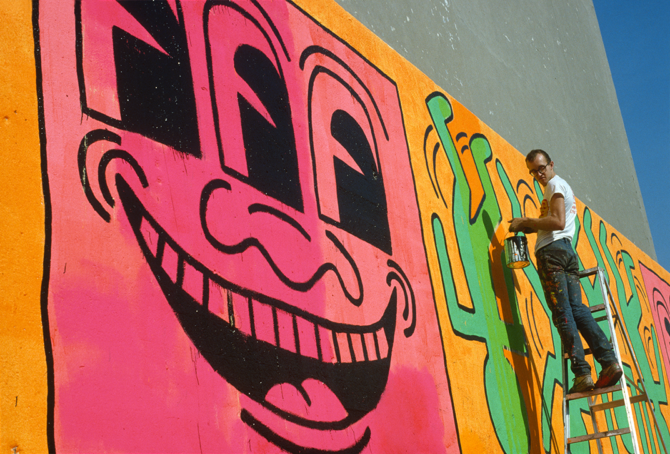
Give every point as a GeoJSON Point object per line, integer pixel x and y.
{"type": "Point", "coordinates": [536, 72]}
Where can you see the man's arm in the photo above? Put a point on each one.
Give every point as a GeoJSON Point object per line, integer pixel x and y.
{"type": "Point", "coordinates": [553, 221]}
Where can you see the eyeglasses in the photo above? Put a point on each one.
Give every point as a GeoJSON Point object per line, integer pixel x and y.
{"type": "Point", "coordinates": [540, 169]}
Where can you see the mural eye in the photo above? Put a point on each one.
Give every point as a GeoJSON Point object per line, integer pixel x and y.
{"type": "Point", "coordinates": [272, 159]}
{"type": "Point", "coordinates": [155, 87]}
{"type": "Point", "coordinates": [361, 197]}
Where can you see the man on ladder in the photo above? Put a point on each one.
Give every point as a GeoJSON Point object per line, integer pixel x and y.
{"type": "Point", "coordinates": [558, 268]}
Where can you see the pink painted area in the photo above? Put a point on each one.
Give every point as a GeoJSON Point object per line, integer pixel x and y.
{"type": "Point", "coordinates": [128, 376]}
{"type": "Point", "coordinates": [430, 427]}
{"type": "Point", "coordinates": [658, 294]}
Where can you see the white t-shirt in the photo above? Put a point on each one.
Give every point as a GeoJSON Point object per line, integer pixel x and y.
{"type": "Point", "coordinates": [557, 185]}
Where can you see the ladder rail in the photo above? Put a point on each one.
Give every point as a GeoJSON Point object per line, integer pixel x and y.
{"type": "Point", "coordinates": [566, 404]}
{"type": "Point", "coordinates": [609, 301]}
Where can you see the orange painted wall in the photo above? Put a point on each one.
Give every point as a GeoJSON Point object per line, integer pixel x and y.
{"type": "Point", "coordinates": [23, 387]}
{"type": "Point", "coordinates": [499, 346]}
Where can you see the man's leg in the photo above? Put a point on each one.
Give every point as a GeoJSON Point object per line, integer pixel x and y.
{"type": "Point", "coordinates": [587, 326]}
{"type": "Point", "coordinates": [550, 262]}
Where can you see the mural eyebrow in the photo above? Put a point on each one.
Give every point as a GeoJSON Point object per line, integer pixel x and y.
{"type": "Point", "coordinates": [322, 69]}
{"type": "Point", "coordinates": [261, 208]}
{"type": "Point", "coordinates": [273, 27]}
{"type": "Point", "coordinates": [211, 4]}
{"type": "Point", "coordinates": [320, 50]}
{"type": "Point", "coordinates": [522, 182]}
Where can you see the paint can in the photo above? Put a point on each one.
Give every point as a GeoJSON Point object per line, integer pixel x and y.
{"type": "Point", "coordinates": [516, 252]}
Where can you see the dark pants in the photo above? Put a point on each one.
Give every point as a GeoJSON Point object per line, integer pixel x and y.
{"type": "Point", "coordinates": [557, 266]}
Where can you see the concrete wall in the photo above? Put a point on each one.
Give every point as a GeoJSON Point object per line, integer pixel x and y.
{"type": "Point", "coordinates": [255, 227]}
{"type": "Point", "coordinates": [537, 73]}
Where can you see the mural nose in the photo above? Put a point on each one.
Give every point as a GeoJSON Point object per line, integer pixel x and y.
{"type": "Point", "coordinates": [299, 258]}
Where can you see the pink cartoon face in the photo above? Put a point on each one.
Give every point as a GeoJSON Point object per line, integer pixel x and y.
{"type": "Point", "coordinates": [250, 162]}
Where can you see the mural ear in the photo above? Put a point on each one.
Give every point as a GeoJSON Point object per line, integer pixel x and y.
{"type": "Point", "coordinates": [94, 187]}
{"type": "Point", "coordinates": [409, 311]}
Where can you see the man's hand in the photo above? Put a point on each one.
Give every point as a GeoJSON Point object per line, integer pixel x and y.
{"type": "Point", "coordinates": [519, 225]}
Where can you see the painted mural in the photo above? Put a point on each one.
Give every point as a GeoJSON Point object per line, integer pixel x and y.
{"type": "Point", "coordinates": [267, 232]}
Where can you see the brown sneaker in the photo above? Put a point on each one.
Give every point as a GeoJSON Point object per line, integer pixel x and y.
{"type": "Point", "coordinates": [609, 376]}
{"type": "Point", "coordinates": [582, 384]}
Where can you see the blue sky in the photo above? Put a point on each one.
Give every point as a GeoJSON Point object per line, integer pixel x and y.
{"type": "Point", "coordinates": [637, 41]}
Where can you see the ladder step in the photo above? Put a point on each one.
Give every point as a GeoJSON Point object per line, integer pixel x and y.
{"type": "Point", "coordinates": [598, 435]}
{"type": "Point", "coordinates": [589, 272]}
{"type": "Point", "coordinates": [595, 392]}
{"type": "Point", "coordinates": [615, 318]}
{"type": "Point", "coordinates": [597, 307]}
{"type": "Point", "coordinates": [587, 351]}
{"type": "Point", "coordinates": [618, 403]}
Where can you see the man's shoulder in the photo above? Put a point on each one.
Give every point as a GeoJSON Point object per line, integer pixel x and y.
{"type": "Point", "coordinates": [558, 183]}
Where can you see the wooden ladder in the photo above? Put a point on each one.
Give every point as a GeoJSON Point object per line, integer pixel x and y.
{"type": "Point", "coordinates": [613, 317]}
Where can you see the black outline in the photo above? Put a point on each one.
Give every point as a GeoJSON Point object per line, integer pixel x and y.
{"type": "Point", "coordinates": [48, 217]}
{"type": "Point", "coordinates": [293, 448]}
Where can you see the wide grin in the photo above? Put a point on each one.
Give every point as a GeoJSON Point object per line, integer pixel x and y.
{"type": "Point", "coordinates": [256, 342]}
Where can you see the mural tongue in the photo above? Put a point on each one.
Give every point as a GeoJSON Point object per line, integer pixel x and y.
{"type": "Point", "coordinates": [315, 401]}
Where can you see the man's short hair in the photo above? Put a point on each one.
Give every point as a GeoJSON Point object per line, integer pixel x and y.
{"type": "Point", "coordinates": [533, 154]}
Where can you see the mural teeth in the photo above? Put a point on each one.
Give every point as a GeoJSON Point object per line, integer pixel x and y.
{"type": "Point", "coordinates": [370, 346]}
{"type": "Point", "coordinates": [327, 345]}
{"type": "Point", "coordinates": [170, 262]}
{"type": "Point", "coordinates": [286, 331]}
{"type": "Point", "coordinates": [218, 301]}
{"type": "Point", "coordinates": [150, 236]}
{"type": "Point", "coordinates": [307, 338]}
{"type": "Point", "coordinates": [357, 345]}
{"type": "Point", "coordinates": [264, 322]}
{"type": "Point", "coordinates": [241, 315]}
{"type": "Point", "coordinates": [193, 282]}
{"type": "Point", "coordinates": [382, 343]}
{"type": "Point", "coordinates": [343, 348]}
